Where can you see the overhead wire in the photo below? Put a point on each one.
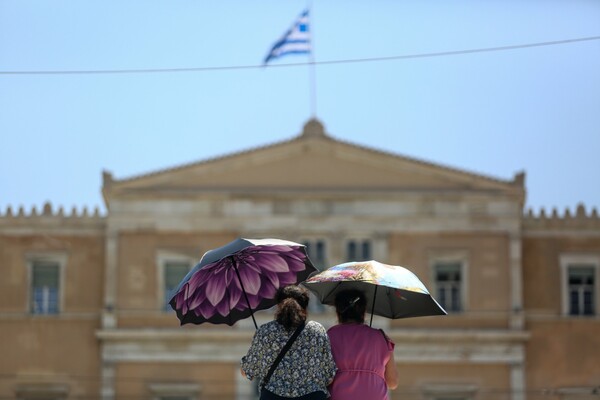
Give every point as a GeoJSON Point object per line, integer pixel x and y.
{"type": "Point", "coordinates": [462, 314]}
{"type": "Point", "coordinates": [287, 65]}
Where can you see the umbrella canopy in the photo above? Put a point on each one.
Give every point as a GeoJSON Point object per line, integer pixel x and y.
{"type": "Point", "coordinates": [391, 291]}
{"type": "Point", "coordinates": [231, 282]}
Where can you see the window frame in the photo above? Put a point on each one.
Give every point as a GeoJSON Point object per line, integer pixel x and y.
{"type": "Point", "coordinates": [56, 391]}
{"type": "Point", "coordinates": [314, 305]}
{"type": "Point", "coordinates": [569, 260]}
{"type": "Point", "coordinates": [578, 393]}
{"type": "Point", "coordinates": [59, 258]}
{"type": "Point", "coordinates": [159, 391]}
{"type": "Point", "coordinates": [359, 242]}
{"type": "Point", "coordinates": [163, 257]}
{"type": "Point", "coordinates": [449, 391]}
{"type": "Point", "coordinates": [457, 256]}
{"type": "Point", "coordinates": [313, 241]}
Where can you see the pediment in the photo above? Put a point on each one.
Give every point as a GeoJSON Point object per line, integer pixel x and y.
{"type": "Point", "coordinates": [311, 161]}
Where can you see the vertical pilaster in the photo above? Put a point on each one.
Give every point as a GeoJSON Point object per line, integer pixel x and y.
{"type": "Point", "coordinates": [110, 281]}
{"type": "Point", "coordinates": [516, 282]}
{"type": "Point", "coordinates": [381, 254]}
{"type": "Point", "coordinates": [109, 320]}
{"type": "Point", "coordinates": [107, 389]}
{"type": "Point", "coordinates": [335, 250]}
{"type": "Point", "coordinates": [517, 381]}
{"type": "Point", "coordinates": [381, 247]}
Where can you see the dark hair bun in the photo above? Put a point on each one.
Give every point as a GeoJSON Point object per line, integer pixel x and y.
{"type": "Point", "coordinates": [292, 303]}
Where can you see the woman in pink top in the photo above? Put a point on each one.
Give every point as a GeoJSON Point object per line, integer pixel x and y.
{"type": "Point", "coordinates": [364, 356]}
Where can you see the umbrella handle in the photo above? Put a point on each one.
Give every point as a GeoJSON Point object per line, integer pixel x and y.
{"type": "Point", "coordinates": [232, 259]}
{"type": "Point", "coordinates": [373, 306]}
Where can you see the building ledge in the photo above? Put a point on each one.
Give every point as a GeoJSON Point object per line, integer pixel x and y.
{"type": "Point", "coordinates": [236, 335]}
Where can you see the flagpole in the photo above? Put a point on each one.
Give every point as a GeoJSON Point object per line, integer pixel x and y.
{"type": "Point", "coordinates": [312, 71]}
{"type": "Point", "coordinates": [313, 87]}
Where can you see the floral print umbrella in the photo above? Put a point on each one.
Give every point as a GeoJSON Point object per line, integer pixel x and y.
{"type": "Point", "coordinates": [231, 282]}
{"type": "Point", "coordinates": [391, 291]}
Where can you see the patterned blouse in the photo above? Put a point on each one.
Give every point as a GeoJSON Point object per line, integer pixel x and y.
{"type": "Point", "coordinates": [307, 366]}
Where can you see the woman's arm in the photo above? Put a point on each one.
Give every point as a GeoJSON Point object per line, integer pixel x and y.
{"type": "Point", "coordinates": [251, 363]}
{"type": "Point", "coordinates": [391, 373]}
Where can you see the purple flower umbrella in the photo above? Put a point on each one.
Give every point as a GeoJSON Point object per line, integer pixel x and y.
{"type": "Point", "coordinates": [231, 282]}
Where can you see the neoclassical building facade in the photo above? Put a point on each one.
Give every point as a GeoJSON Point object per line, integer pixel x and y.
{"type": "Point", "coordinates": [83, 310]}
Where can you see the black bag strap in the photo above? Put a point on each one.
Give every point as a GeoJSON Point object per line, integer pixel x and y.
{"type": "Point", "coordinates": [282, 353]}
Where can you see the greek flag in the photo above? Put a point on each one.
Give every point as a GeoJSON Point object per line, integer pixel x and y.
{"type": "Point", "coordinates": [295, 41]}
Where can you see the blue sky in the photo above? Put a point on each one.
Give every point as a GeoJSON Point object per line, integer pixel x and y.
{"type": "Point", "coordinates": [495, 113]}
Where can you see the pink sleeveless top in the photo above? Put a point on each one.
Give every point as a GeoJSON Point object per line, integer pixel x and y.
{"type": "Point", "coordinates": [360, 353]}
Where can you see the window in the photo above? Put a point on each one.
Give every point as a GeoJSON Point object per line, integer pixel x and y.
{"type": "Point", "coordinates": [45, 287]}
{"type": "Point", "coordinates": [174, 391]}
{"type": "Point", "coordinates": [317, 252]}
{"type": "Point", "coordinates": [172, 268]}
{"type": "Point", "coordinates": [580, 284]}
{"type": "Point", "coordinates": [174, 398]}
{"type": "Point", "coordinates": [174, 272]}
{"type": "Point", "coordinates": [449, 391]}
{"type": "Point", "coordinates": [358, 250]}
{"type": "Point", "coordinates": [450, 398]}
{"type": "Point", "coordinates": [42, 391]}
{"type": "Point", "coordinates": [45, 271]}
{"type": "Point", "coordinates": [448, 282]}
{"type": "Point", "coordinates": [448, 269]}
{"type": "Point", "coordinates": [578, 393]}
{"type": "Point", "coordinates": [581, 290]}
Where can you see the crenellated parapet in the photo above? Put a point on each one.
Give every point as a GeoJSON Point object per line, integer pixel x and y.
{"type": "Point", "coordinates": [51, 218]}
{"type": "Point", "coordinates": [578, 219]}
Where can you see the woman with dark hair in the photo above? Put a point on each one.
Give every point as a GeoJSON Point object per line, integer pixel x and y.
{"type": "Point", "coordinates": [306, 368]}
{"type": "Point", "coordinates": [364, 356]}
